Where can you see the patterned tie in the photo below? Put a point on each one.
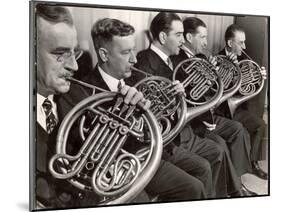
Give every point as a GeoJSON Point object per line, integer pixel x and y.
{"type": "Point", "coordinates": [51, 121]}
{"type": "Point", "coordinates": [170, 64]}
{"type": "Point", "coordinates": [119, 86]}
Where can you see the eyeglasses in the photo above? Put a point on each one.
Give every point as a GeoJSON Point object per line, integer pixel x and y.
{"type": "Point", "coordinates": [63, 56]}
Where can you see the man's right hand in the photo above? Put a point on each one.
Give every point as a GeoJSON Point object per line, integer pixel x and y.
{"type": "Point", "coordinates": [233, 58]}
{"type": "Point", "coordinates": [132, 96]}
{"type": "Point", "coordinates": [209, 126]}
{"type": "Point", "coordinates": [178, 87]}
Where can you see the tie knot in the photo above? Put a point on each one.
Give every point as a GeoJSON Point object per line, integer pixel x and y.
{"type": "Point", "coordinates": [51, 120]}
{"type": "Point", "coordinates": [47, 105]}
{"type": "Point", "coordinates": [170, 64]}
{"type": "Point", "coordinates": [119, 86]}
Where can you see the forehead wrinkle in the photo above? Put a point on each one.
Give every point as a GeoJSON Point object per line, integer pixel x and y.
{"type": "Point", "coordinates": [59, 35]}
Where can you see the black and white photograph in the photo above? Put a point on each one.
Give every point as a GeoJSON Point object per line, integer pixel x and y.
{"type": "Point", "coordinates": [145, 106]}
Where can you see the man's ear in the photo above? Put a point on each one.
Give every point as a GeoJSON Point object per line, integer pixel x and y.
{"type": "Point", "coordinates": [103, 53]}
{"type": "Point", "coordinates": [162, 37]}
{"type": "Point", "coordinates": [188, 37]}
{"type": "Point", "coordinates": [229, 43]}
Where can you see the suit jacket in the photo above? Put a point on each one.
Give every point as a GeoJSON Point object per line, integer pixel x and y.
{"type": "Point", "coordinates": [150, 62]}
{"type": "Point", "coordinates": [52, 192]}
{"type": "Point", "coordinates": [76, 94]}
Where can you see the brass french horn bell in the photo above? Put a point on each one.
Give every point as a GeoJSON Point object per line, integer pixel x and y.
{"type": "Point", "coordinates": [103, 129]}
{"type": "Point", "coordinates": [168, 107]}
{"type": "Point", "coordinates": [203, 86]}
{"type": "Point", "coordinates": [252, 83]}
{"type": "Point", "coordinates": [231, 77]}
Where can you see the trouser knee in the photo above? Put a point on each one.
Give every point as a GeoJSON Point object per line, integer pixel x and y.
{"type": "Point", "coordinates": [205, 168]}
{"type": "Point", "coordinates": [197, 191]}
{"type": "Point", "coordinates": [220, 152]}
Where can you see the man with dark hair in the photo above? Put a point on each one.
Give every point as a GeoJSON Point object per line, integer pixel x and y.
{"type": "Point", "coordinates": [114, 43]}
{"type": "Point", "coordinates": [235, 38]}
{"type": "Point", "coordinates": [57, 52]}
{"type": "Point", "coordinates": [167, 32]}
{"type": "Point", "coordinates": [222, 130]}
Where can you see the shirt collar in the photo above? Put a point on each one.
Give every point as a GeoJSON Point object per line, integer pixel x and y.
{"type": "Point", "coordinates": [111, 82]}
{"type": "Point", "coordinates": [41, 99]}
{"type": "Point", "coordinates": [161, 54]}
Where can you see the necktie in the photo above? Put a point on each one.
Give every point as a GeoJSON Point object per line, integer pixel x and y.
{"type": "Point", "coordinates": [170, 64]}
{"type": "Point", "coordinates": [51, 121]}
{"type": "Point", "coordinates": [119, 86]}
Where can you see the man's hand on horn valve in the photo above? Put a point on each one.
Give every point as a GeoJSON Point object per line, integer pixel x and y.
{"type": "Point", "coordinates": [263, 72]}
{"type": "Point", "coordinates": [213, 60]}
{"type": "Point", "coordinates": [178, 87]}
{"type": "Point", "coordinates": [233, 58]}
{"type": "Point", "coordinates": [133, 96]}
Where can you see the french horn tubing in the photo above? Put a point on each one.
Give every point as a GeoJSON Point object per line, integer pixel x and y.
{"type": "Point", "coordinates": [203, 86]}
{"type": "Point", "coordinates": [104, 127]}
{"type": "Point", "coordinates": [251, 85]}
{"type": "Point", "coordinates": [168, 107]}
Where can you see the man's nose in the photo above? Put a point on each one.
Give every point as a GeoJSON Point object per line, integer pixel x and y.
{"type": "Point", "coordinates": [181, 39]}
{"type": "Point", "coordinates": [133, 58]}
{"type": "Point", "coordinates": [71, 64]}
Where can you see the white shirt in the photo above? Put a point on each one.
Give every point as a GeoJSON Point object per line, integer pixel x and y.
{"type": "Point", "coordinates": [111, 82]}
{"type": "Point", "coordinates": [161, 54]}
{"type": "Point", "coordinates": [41, 116]}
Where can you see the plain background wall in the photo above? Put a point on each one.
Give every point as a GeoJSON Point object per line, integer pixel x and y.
{"type": "Point", "coordinates": [85, 17]}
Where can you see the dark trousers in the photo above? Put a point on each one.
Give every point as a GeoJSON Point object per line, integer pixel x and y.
{"type": "Point", "coordinates": [229, 182]}
{"type": "Point", "coordinates": [207, 149]}
{"type": "Point", "coordinates": [256, 128]}
{"type": "Point", "coordinates": [171, 183]}
{"type": "Point", "coordinates": [238, 141]}
{"type": "Point", "coordinates": [194, 165]}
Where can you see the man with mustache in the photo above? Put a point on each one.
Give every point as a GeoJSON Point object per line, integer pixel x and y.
{"type": "Point", "coordinates": [57, 52]}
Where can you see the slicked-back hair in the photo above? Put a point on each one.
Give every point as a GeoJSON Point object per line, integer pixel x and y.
{"type": "Point", "coordinates": [54, 14]}
{"type": "Point", "coordinates": [190, 25]}
{"type": "Point", "coordinates": [162, 22]}
{"type": "Point", "coordinates": [103, 31]}
{"type": "Point", "coordinates": [230, 31]}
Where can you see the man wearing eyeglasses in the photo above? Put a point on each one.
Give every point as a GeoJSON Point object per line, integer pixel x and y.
{"type": "Point", "coordinates": [57, 52]}
{"type": "Point", "coordinates": [235, 38]}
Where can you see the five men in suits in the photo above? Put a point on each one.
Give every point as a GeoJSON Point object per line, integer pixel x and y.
{"type": "Point", "coordinates": [191, 168]}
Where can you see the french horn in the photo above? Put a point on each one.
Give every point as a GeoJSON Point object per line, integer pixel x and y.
{"type": "Point", "coordinates": [231, 77]}
{"type": "Point", "coordinates": [105, 129]}
{"type": "Point", "coordinates": [203, 85]}
{"type": "Point", "coordinates": [251, 85]}
{"type": "Point", "coordinates": [168, 107]}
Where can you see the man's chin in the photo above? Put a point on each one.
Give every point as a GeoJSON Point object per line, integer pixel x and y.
{"type": "Point", "coordinates": [127, 74]}
{"type": "Point", "coordinates": [63, 89]}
